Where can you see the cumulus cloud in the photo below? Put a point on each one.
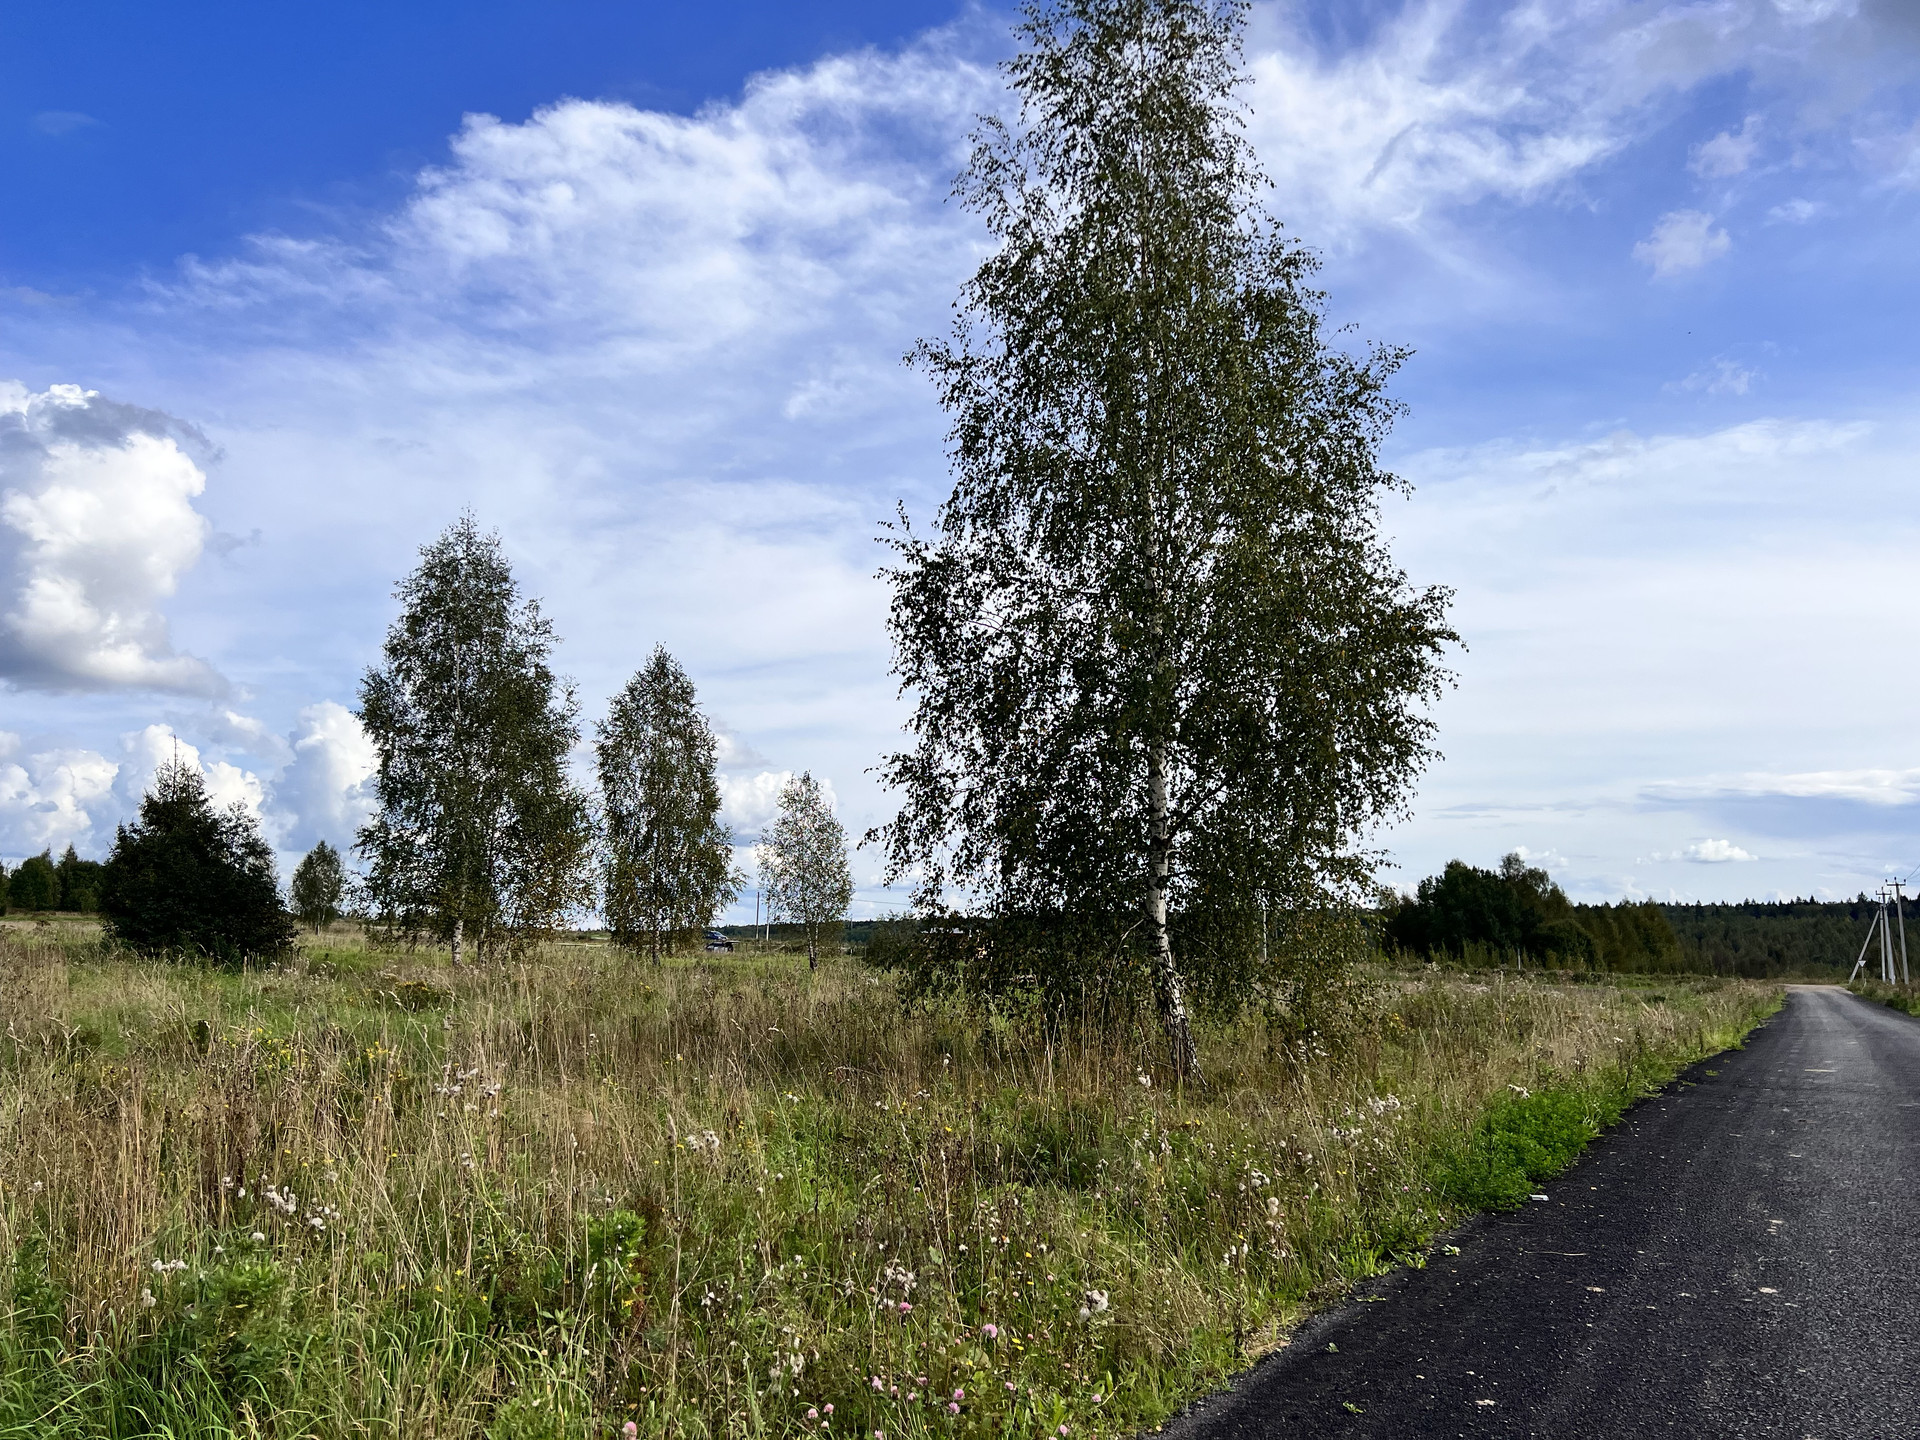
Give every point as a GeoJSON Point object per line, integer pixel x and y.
{"type": "Point", "coordinates": [317, 788]}
{"type": "Point", "coordinates": [325, 792]}
{"type": "Point", "coordinates": [152, 746]}
{"type": "Point", "coordinates": [1682, 240]}
{"type": "Point", "coordinates": [1728, 153]}
{"type": "Point", "coordinates": [1714, 852]}
{"type": "Point", "coordinates": [97, 526]}
{"type": "Point", "coordinates": [48, 800]}
{"type": "Point", "coordinates": [749, 802]}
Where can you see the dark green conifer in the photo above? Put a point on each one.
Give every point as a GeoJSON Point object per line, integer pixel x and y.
{"type": "Point", "coordinates": [187, 877]}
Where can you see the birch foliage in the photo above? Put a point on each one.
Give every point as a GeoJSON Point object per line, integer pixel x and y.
{"type": "Point", "coordinates": [804, 860]}
{"type": "Point", "coordinates": [666, 858]}
{"type": "Point", "coordinates": [1166, 674]}
{"type": "Point", "coordinates": [480, 834]}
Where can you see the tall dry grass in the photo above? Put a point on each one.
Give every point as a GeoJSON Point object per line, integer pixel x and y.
{"type": "Point", "coordinates": [369, 1195]}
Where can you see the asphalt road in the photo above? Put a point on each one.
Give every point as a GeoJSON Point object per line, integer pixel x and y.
{"type": "Point", "coordinates": [1739, 1257]}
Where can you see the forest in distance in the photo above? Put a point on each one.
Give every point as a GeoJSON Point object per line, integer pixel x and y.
{"type": "Point", "coordinates": [1749, 939]}
{"type": "Point", "coordinates": [1518, 913]}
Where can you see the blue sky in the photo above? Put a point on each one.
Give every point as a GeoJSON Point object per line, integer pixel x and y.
{"type": "Point", "coordinates": [281, 291]}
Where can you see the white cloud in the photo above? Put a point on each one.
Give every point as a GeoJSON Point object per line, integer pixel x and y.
{"type": "Point", "coordinates": [47, 800]}
{"type": "Point", "coordinates": [1796, 211]}
{"type": "Point", "coordinates": [1723, 377]}
{"type": "Point", "coordinates": [1715, 852]}
{"type": "Point", "coordinates": [97, 526]}
{"type": "Point", "coordinates": [1881, 788]}
{"type": "Point", "coordinates": [325, 792]}
{"type": "Point", "coordinates": [152, 746]}
{"type": "Point", "coordinates": [63, 122]}
{"type": "Point", "coordinates": [1682, 240]}
{"type": "Point", "coordinates": [1728, 153]}
{"type": "Point", "coordinates": [1444, 105]}
{"type": "Point", "coordinates": [749, 802]}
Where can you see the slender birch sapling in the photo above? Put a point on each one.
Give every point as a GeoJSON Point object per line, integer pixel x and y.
{"type": "Point", "coordinates": [804, 859]}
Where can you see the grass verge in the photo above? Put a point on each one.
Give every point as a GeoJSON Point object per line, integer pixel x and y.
{"type": "Point", "coordinates": [367, 1195]}
{"type": "Point", "coordinates": [1904, 998]}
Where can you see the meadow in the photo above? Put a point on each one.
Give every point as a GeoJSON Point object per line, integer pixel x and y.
{"type": "Point", "coordinates": [365, 1194]}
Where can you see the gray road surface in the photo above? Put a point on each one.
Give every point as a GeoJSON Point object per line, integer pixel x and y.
{"type": "Point", "coordinates": [1740, 1257]}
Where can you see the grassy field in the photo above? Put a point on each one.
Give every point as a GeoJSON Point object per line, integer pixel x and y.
{"type": "Point", "coordinates": [367, 1195]}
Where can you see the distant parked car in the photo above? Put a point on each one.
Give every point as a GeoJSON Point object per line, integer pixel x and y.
{"type": "Point", "coordinates": [717, 941]}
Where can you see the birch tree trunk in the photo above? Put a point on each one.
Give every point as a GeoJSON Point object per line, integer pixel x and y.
{"type": "Point", "coordinates": [1172, 994]}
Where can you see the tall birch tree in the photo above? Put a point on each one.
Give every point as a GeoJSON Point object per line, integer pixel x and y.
{"type": "Point", "coordinates": [666, 858]}
{"type": "Point", "coordinates": [480, 834]}
{"type": "Point", "coordinates": [1165, 670]}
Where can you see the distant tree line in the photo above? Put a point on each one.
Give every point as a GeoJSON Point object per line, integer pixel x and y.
{"type": "Point", "coordinates": [1518, 912]}
{"type": "Point", "coordinates": [1763, 938]}
{"type": "Point", "coordinates": [41, 883]}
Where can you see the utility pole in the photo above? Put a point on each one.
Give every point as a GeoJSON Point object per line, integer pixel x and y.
{"type": "Point", "coordinates": [1900, 917]}
{"type": "Point", "coordinates": [1886, 941]}
{"type": "Point", "coordinates": [1872, 930]}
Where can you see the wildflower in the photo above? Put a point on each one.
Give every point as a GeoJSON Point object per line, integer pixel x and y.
{"type": "Point", "coordinates": [1063, 1429]}
{"type": "Point", "coordinates": [257, 1235]}
{"type": "Point", "coordinates": [960, 1394]}
{"type": "Point", "coordinates": [952, 1409]}
{"type": "Point", "coordinates": [1009, 1387]}
{"type": "Point", "coordinates": [829, 1409]}
{"type": "Point", "coordinates": [1273, 1204]}
{"type": "Point", "coordinates": [146, 1297]}
{"type": "Point", "coordinates": [876, 1383]}
{"type": "Point", "coordinates": [1146, 1080]}
{"type": "Point", "coordinates": [991, 1332]}
{"type": "Point", "coordinates": [630, 1430]}
{"type": "Point", "coordinates": [905, 1308]}
{"type": "Point", "coordinates": [812, 1414]}
{"type": "Point", "coordinates": [1097, 1301]}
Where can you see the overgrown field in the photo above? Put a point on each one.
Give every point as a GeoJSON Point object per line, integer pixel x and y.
{"type": "Point", "coordinates": [368, 1195]}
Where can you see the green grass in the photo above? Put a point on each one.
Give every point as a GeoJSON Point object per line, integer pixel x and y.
{"type": "Point", "coordinates": [712, 1197]}
{"type": "Point", "coordinates": [1905, 998]}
